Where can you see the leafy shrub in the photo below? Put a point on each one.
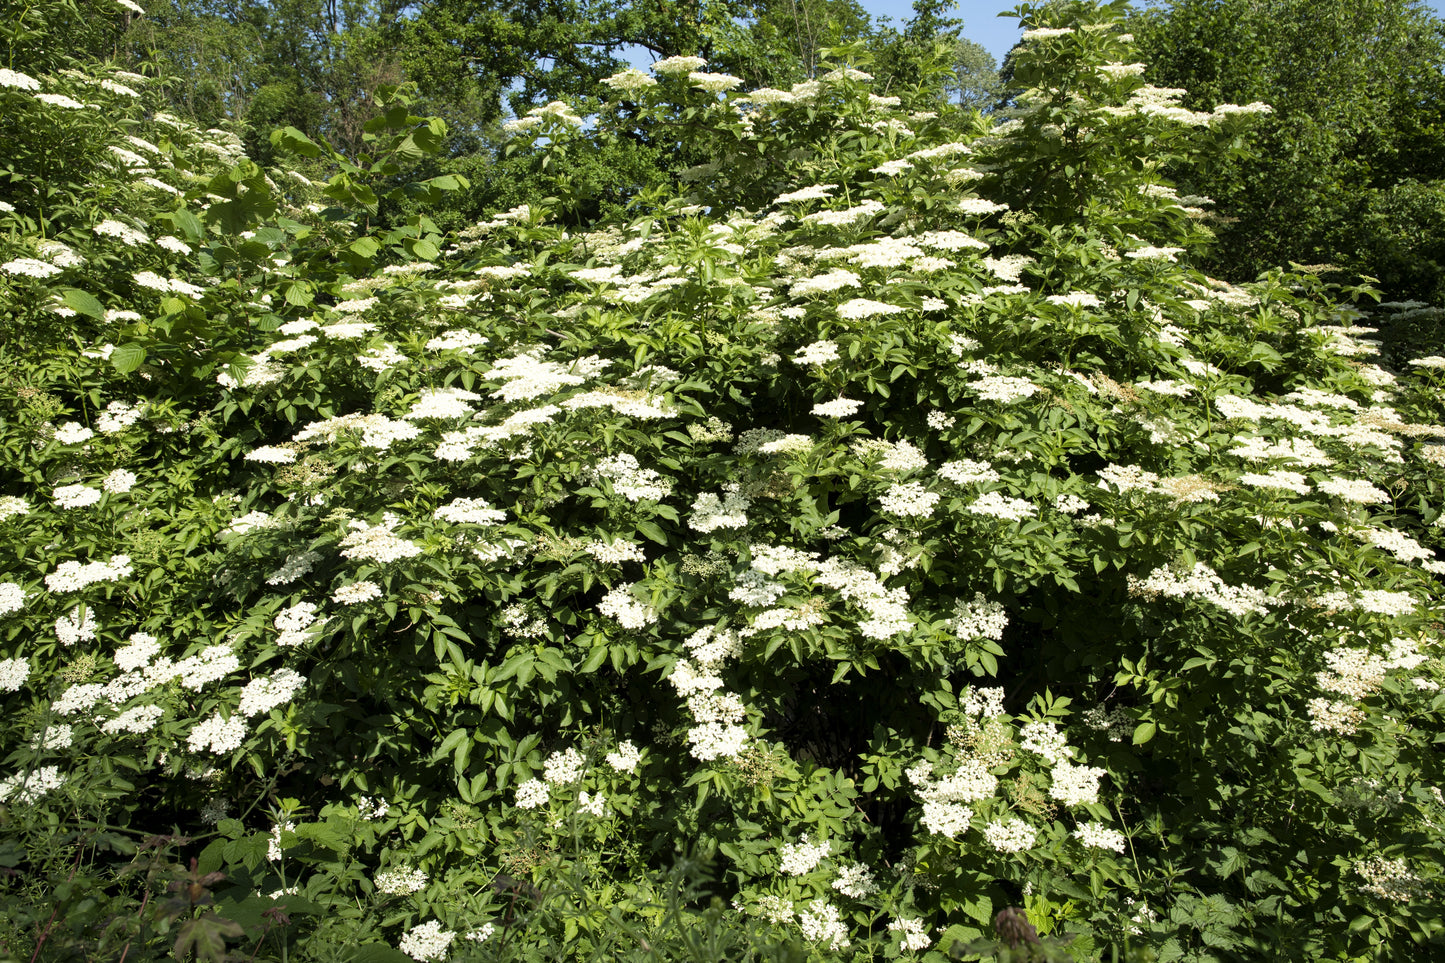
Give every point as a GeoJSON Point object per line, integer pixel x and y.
{"type": "Point", "coordinates": [892, 531]}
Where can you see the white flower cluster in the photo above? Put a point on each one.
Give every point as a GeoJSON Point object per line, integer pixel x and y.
{"type": "Point", "coordinates": [119, 481]}
{"type": "Point", "coordinates": [137, 655]}
{"type": "Point", "coordinates": [459, 340]}
{"type": "Point", "coordinates": [1099, 836]}
{"type": "Point", "coordinates": [296, 565]}
{"type": "Point", "coordinates": [901, 455]}
{"type": "Point", "coordinates": [29, 267]}
{"type": "Point", "coordinates": [837, 408]}
{"type": "Point", "coordinates": [217, 735]}
{"type": "Point", "coordinates": [377, 543]}
{"type": "Point", "coordinates": [13, 673]}
{"type": "Point", "coordinates": [1003, 389]}
{"type": "Point", "coordinates": [563, 767]}
{"type": "Point", "coordinates": [15, 79]}
{"type": "Point", "coordinates": [369, 809]}
{"type": "Point", "coordinates": [77, 698]}
{"type": "Point", "coordinates": [127, 235]}
{"type": "Point", "coordinates": [12, 598]}
{"type": "Point", "coordinates": [1010, 836]}
{"type": "Point", "coordinates": [557, 111]}
{"type": "Point", "coordinates": [427, 941]}
{"type": "Point", "coordinates": [293, 623]}
{"type": "Point", "coordinates": [802, 857]}
{"type": "Point", "coordinates": [264, 694]}
{"type": "Point", "coordinates": [815, 192]}
{"type": "Point", "coordinates": [73, 576]}
{"type": "Point", "coordinates": [136, 721]}
{"type": "Point", "coordinates": [678, 65]}
{"type": "Point", "coordinates": [1327, 715]}
{"type": "Point", "coordinates": [272, 455]}
{"type": "Point", "coordinates": [442, 403]}
{"type": "Point", "coordinates": [860, 308]}
{"type": "Point", "coordinates": [211, 664]}
{"type": "Point", "coordinates": [78, 626]}
{"type": "Point", "coordinates": [1390, 879]}
{"type": "Point", "coordinates": [629, 81]}
{"type": "Point", "coordinates": [73, 433]}
{"type": "Point", "coordinates": [711, 512]}
{"type": "Point", "coordinates": [822, 923]}
{"type": "Point", "coordinates": [615, 553]}
{"type": "Point", "coordinates": [622, 605]}
{"type": "Point", "coordinates": [1045, 739]}
{"type": "Point", "coordinates": [856, 881]}
{"type": "Point", "coordinates": [1279, 478]}
{"type": "Point", "coordinates": [985, 703]}
{"type": "Point", "coordinates": [719, 732]}
{"type": "Point", "coordinates": [356, 593]}
{"type": "Point", "coordinates": [912, 934]}
{"type": "Point", "coordinates": [966, 472]}
{"type": "Point", "coordinates": [626, 758]}
{"type": "Point", "coordinates": [75, 496]}
{"type": "Point", "coordinates": [1203, 583]}
{"type": "Point", "coordinates": [631, 480]}
{"type": "Point", "coordinates": [153, 281]}
{"type": "Point", "coordinates": [532, 794]}
{"type": "Point", "coordinates": [470, 511]}
{"type": "Point", "coordinates": [714, 83]}
{"type": "Point", "coordinates": [996, 505]}
{"type": "Point", "coordinates": [980, 619]}
{"type": "Point", "coordinates": [908, 499]}
{"type": "Point", "coordinates": [527, 376]}
{"type": "Point", "coordinates": [401, 881]}
{"type": "Point", "coordinates": [846, 216]}
{"type": "Point", "coordinates": [460, 445]}
{"type": "Point", "coordinates": [825, 283]}
{"type": "Point", "coordinates": [53, 736]}
{"type": "Point", "coordinates": [1075, 785]}
{"type": "Point", "coordinates": [1354, 490]}
{"type": "Point", "coordinates": [25, 788]}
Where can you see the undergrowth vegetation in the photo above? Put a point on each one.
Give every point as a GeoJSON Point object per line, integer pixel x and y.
{"type": "Point", "coordinates": [887, 534]}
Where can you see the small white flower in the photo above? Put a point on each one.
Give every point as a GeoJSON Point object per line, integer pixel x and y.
{"type": "Point", "coordinates": [626, 758]}
{"type": "Point", "coordinates": [75, 496]}
{"type": "Point", "coordinates": [837, 408]}
{"type": "Point", "coordinates": [1099, 836]}
{"type": "Point", "coordinates": [400, 881]}
{"type": "Point", "coordinates": [13, 673]}
{"type": "Point", "coordinates": [427, 941]}
{"type": "Point", "coordinates": [532, 794]}
{"type": "Point", "coordinates": [119, 481]}
{"type": "Point", "coordinates": [356, 593]}
{"type": "Point", "coordinates": [12, 598]}
{"type": "Point", "coordinates": [73, 433]}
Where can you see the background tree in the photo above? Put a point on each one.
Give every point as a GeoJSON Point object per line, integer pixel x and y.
{"type": "Point", "coordinates": [1349, 169]}
{"type": "Point", "coordinates": [975, 83]}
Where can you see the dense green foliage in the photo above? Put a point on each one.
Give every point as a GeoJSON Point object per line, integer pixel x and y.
{"type": "Point", "coordinates": [885, 528]}
{"type": "Point", "coordinates": [1350, 169]}
{"type": "Point", "coordinates": [316, 64]}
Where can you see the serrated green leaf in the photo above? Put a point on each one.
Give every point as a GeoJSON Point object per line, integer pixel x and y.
{"type": "Point", "coordinates": [83, 303]}
{"type": "Point", "coordinates": [128, 357]}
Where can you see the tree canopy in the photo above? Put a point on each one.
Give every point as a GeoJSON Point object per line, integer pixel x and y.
{"type": "Point", "coordinates": [1350, 166]}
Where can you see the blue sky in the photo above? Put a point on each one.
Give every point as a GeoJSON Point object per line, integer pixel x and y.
{"type": "Point", "coordinates": [980, 19]}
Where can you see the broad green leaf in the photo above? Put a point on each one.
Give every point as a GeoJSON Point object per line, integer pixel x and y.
{"type": "Point", "coordinates": [83, 303]}
{"type": "Point", "coordinates": [128, 357]}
